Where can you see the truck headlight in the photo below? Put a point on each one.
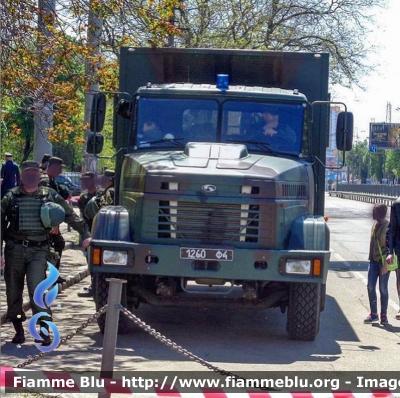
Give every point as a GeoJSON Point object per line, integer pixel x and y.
{"type": "Point", "coordinates": [114, 257]}
{"type": "Point", "coordinates": [294, 266]}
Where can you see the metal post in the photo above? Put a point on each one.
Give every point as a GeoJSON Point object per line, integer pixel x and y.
{"type": "Point", "coordinates": [111, 329]}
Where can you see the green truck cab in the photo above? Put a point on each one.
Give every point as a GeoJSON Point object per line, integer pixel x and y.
{"type": "Point", "coordinates": [220, 183]}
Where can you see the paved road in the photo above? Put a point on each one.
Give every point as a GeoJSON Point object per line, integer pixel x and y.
{"type": "Point", "coordinates": [241, 340]}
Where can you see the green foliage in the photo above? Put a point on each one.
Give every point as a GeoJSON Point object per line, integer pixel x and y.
{"type": "Point", "coordinates": [47, 58]}
{"type": "Point", "coordinates": [377, 166]}
{"type": "Point", "coordinates": [392, 165]}
{"type": "Point", "coordinates": [17, 129]}
{"type": "Point", "coordinates": [108, 149]}
{"type": "Point", "coordinates": [358, 161]}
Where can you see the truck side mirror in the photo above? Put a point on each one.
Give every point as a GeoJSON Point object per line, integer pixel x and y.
{"type": "Point", "coordinates": [98, 112]}
{"type": "Point", "coordinates": [124, 109]}
{"type": "Point", "coordinates": [95, 143]}
{"type": "Point", "coordinates": [344, 131]}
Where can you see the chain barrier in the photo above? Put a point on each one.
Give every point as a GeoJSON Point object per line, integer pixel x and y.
{"type": "Point", "coordinates": [158, 336]}
{"type": "Point", "coordinates": [67, 337]}
{"type": "Point", "coordinates": [148, 329]}
{"type": "Point", "coordinates": [169, 343]}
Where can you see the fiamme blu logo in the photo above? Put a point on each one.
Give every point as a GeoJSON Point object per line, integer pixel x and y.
{"type": "Point", "coordinates": [45, 293]}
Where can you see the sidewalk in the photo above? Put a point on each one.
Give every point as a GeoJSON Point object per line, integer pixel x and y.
{"type": "Point", "coordinates": [73, 268]}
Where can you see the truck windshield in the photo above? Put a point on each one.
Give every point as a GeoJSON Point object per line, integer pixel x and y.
{"type": "Point", "coordinates": [172, 121]}
{"type": "Point", "coordinates": [279, 126]}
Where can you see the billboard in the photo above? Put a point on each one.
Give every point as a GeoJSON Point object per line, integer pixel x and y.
{"type": "Point", "coordinates": [384, 135]}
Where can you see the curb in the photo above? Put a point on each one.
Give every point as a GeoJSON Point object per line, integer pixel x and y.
{"type": "Point", "coordinates": [70, 280]}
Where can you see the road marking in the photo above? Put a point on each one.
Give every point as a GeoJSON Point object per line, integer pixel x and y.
{"type": "Point", "coordinates": [360, 276]}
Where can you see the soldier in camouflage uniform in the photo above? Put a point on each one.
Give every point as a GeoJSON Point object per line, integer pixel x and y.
{"type": "Point", "coordinates": [100, 199]}
{"type": "Point", "coordinates": [48, 179]}
{"type": "Point", "coordinates": [45, 162]}
{"type": "Point", "coordinates": [103, 198]}
{"type": "Point", "coordinates": [88, 180]}
{"type": "Point", "coordinates": [27, 247]}
{"type": "Point", "coordinates": [107, 198]}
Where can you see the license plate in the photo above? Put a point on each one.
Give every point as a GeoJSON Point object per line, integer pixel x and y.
{"type": "Point", "coordinates": [199, 253]}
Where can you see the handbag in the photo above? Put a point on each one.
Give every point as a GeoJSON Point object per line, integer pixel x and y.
{"type": "Point", "coordinates": [394, 265]}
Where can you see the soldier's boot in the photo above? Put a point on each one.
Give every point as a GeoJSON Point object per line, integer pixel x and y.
{"type": "Point", "coordinates": [19, 336]}
{"type": "Point", "coordinates": [44, 334]}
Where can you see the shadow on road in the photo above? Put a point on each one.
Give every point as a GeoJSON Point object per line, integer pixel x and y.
{"type": "Point", "coordinates": [348, 266]}
{"type": "Point", "coordinates": [238, 338]}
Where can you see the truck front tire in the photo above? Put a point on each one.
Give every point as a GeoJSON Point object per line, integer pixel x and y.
{"type": "Point", "coordinates": [100, 296]}
{"type": "Point", "coordinates": [304, 311]}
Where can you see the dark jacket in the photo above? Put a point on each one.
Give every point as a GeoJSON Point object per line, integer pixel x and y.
{"type": "Point", "coordinates": [393, 232]}
{"type": "Point", "coordinates": [10, 175]}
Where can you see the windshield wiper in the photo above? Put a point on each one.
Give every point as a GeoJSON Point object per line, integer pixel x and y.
{"type": "Point", "coordinates": [164, 140]}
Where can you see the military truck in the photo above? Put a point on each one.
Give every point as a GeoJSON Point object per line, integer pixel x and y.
{"type": "Point", "coordinates": [220, 183]}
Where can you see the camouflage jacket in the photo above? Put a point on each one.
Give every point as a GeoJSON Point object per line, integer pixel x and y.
{"type": "Point", "coordinates": [50, 182]}
{"type": "Point", "coordinates": [107, 198]}
{"type": "Point", "coordinates": [10, 214]}
{"type": "Point", "coordinates": [83, 200]}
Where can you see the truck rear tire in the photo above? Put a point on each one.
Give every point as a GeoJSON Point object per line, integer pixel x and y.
{"type": "Point", "coordinates": [100, 296]}
{"type": "Point", "coordinates": [304, 311]}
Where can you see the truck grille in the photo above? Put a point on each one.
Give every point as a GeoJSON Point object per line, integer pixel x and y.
{"type": "Point", "coordinates": [208, 222]}
{"type": "Point", "coordinates": [294, 190]}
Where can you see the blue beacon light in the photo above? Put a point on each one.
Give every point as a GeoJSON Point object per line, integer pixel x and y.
{"type": "Point", "coordinates": [223, 82]}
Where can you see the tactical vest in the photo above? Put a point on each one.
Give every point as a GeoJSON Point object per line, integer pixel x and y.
{"type": "Point", "coordinates": [29, 213]}
{"type": "Point", "coordinates": [25, 215]}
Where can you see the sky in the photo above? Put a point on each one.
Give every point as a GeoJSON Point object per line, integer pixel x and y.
{"type": "Point", "coordinates": [382, 86]}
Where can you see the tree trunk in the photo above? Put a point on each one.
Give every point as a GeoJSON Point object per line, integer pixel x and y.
{"type": "Point", "coordinates": [43, 110]}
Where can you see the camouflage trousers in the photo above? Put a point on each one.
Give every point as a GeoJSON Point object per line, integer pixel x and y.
{"type": "Point", "coordinates": [21, 261]}
{"type": "Point", "coordinates": [58, 243]}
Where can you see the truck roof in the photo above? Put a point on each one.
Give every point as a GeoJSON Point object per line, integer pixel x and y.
{"type": "Point", "coordinates": [233, 91]}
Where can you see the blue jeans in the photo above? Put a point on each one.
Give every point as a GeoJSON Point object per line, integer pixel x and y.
{"type": "Point", "coordinates": [374, 270]}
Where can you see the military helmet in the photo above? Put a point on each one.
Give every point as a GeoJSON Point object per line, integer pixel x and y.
{"type": "Point", "coordinates": [52, 214]}
{"type": "Point", "coordinates": [92, 208]}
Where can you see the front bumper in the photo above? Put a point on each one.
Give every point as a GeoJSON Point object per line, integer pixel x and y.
{"type": "Point", "coordinates": [239, 265]}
